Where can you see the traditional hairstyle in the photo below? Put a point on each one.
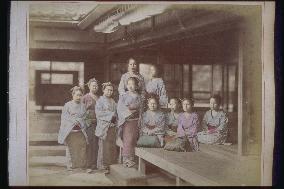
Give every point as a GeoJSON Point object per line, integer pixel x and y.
{"type": "Point", "coordinates": [217, 98]}
{"type": "Point", "coordinates": [190, 100]}
{"type": "Point", "coordinates": [104, 85]}
{"type": "Point", "coordinates": [92, 80]}
{"type": "Point", "coordinates": [131, 58]}
{"type": "Point", "coordinates": [153, 96]}
{"type": "Point", "coordinates": [76, 88]}
{"type": "Point", "coordinates": [135, 81]}
{"type": "Point", "coordinates": [178, 100]}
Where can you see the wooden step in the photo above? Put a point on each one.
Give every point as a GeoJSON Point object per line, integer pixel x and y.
{"type": "Point", "coordinates": [48, 160]}
{"type": "Point", "coordinates": [58, 150]}
{"type": "Point", "coordinates": [126, 176]}
{"type": "Point", "coordinates": [37, 137]}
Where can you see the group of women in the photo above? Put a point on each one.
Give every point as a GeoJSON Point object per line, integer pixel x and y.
{"type": "Point", "coordinates": [90, 125]}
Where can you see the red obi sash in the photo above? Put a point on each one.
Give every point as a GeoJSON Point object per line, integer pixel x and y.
{"type": "Point", "coordinates": [210, 127]}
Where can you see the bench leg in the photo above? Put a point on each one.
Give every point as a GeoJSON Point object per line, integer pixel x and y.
{"type": "Point", "coordinates": [120, 155]}
{"type": "Point", "coordinates": [178, 181]}
{"type": "Point", "coordinates": [142, 166]}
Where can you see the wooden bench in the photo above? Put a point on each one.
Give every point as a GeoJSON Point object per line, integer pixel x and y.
{"type": "Point", "coordinates": [198, 168]}
{"type": "Point", "coordinates": [177, 164]}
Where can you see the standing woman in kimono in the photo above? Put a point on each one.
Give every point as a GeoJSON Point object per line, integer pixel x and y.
{"type": "Point", "coordinates": [90, 101]}
{"type": "Point", "coordinates": [129, 109]}
{"type": "Point", "coordinates": [106, 128]}
{"type": "Point", "coordinates": [132, 72]}
{"type": "Point", "coordinates": [153, 125]}
{"type": "Point", "coordinates": [72, 130]}
{"type": "Point", "coordinates": [215, 122]}
{"type": "Point", "coordinates": [156, 86]}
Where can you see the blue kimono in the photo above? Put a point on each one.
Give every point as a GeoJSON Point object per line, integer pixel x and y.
{"type": "Point", "coordinates": [215, 128]}
{"type": "Point", "coordinates": [105, 111]}
{"type": "Point", "coordinates": [126, 102]}
{"type": "Point", "coordinates": [153, 123]}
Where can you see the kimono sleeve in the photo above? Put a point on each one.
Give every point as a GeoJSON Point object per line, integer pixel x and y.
{"type": "Point", "coordinates": [65, 115]}
{"type": "Point", "coordinates": [223, 121]}
{"type": "Point", "coordinates": [194, 126]}
{"type": "Point", "coordinates": [121, 86]}
{"type": "Point", "coordinates": [143, 128]}
{"type": "Point", "coordinates": [161, 122]}
{"type": "Point", "coordinates": [167, 121]}
{"type": "Point", "coordinates": [204, 121]}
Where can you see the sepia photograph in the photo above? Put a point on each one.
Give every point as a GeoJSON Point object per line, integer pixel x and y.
{"type": "Point", "coordinates": [141, 93]}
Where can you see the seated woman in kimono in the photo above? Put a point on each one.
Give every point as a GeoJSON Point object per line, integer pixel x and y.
{"type": "Point", "coordinates": [173, 115]}
{"type": "Point", "coordinates": [132, 72]}
{"type": "Point", "coordinates": [215, 122]}
{"type": "Point", "coordinates": [172, 119]}
{"type": "Point", "coordinates": [89, 100]}
{"type": "Point", "coordinates": [129, 109]}
{"type": "Point", "coordinates": [156, 86]}
{"type": "Point", "coordinates": [153, 125]}
{"type": "Point", "coordinates": [188, 122]}
{"type": "Point", "coordinates": [106, 128]}
{"type": "Point", "coordinates": [72, 130]}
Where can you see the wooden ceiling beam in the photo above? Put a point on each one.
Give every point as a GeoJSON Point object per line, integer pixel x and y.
{"type": "Point", "coordinates": [67, 46]}
{"type": "Point", "coordinates": [52, 23]}
{"type": "Point", "coordinates": [95, 14]}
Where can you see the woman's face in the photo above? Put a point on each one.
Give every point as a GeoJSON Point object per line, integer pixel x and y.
{"type": "Point", "coordinates": [77, 96]}
{"type": "Point", "coordinates": [152, 105]}
{"type": "Point", "coordinates": [173, 104]}
{"type": "Point", "coordinates": [93, 87]}
{"type": "Point", "coordinates": [131, 86]}
{"type": "Point", "coordinates": [132, 65]}
{"type": "Point", "coordinates": [213, 104]}
{"type": "Point", "coordinates": [186, 106]}
{"type": "Point", "coordinates": [153, 71]}
{"type": "Point", "coordinates": [108, 91]}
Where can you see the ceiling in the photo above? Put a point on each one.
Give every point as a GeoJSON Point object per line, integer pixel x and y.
{"type": "Point", "coordinates": [63, 11]}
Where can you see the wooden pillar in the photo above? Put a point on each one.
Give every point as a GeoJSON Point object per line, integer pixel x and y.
{"type": "Point", "coordinates": [120, 155]}
{"type": "Point", "coordinates": [240, 96]}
